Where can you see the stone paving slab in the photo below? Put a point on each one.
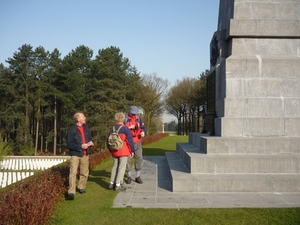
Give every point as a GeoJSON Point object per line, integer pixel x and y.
{"type": "Point", "coordinates": [156, 192]}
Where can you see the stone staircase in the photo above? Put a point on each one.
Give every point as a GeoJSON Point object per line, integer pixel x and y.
{"type": "Point", "coordinates": [220, 164]}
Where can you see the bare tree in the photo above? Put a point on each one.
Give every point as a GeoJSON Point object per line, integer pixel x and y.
{"type": "Point", "coordinates": [151, 98]}
{"type": "Point", "coordinates": [175, 105]}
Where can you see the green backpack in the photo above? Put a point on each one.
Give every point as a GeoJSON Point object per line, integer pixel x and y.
{"type": "Point", "coordinates": [114, 140]}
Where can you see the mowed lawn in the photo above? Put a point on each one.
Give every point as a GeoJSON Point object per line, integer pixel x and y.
{"type": "Point", "coordinates": [95, 206]}
{"type": "Point", "coordinates": [167, 144]}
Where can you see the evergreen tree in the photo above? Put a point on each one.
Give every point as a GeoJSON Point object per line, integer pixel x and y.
{"type": "Point", "coordinates": [23, 77]}
{"type": "Point", "coordinates": [114, 85]}
{"type": "Point", "coordinates": [7, 112]}
{"type": "Point", "coordinates": [40, 67]}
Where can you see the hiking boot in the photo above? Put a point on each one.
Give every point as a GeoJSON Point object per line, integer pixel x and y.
{"type": "Point", "coordinates": [120, 188]}
{"type": "Point", "coordinates": [138, 180]}
{"type": "Point", "coordinates": [81, 191]}
{"type": "Point", "coordinates": [111, 186]}
{"type": "Point", "coordinates": [70, 196]}
{"type": "Point", "coordinates": [128, 181]}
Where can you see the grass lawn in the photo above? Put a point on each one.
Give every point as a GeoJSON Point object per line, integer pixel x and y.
{"type": "Point", "coordinates": [94, 207]}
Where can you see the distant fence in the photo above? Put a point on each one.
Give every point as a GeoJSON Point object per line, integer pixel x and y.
{"type": "Point", "coordinates": [13, 163]}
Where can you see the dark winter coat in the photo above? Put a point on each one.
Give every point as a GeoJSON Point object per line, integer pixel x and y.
{"type": "Point", "coordinates": [74, 140]}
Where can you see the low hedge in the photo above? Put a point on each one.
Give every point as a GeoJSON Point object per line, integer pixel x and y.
{"type": "Point", "coordinates": [31, 200]}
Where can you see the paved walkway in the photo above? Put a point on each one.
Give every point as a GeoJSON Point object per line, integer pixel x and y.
{"type": "Point", "coordinates": [156, 192]}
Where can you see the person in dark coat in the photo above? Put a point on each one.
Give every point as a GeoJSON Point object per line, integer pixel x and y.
{"type": "Point", "coordinates": [79, 142]}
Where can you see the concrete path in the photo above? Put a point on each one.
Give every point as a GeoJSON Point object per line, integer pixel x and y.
{"type": "Point", "coordinates": [156, 192]}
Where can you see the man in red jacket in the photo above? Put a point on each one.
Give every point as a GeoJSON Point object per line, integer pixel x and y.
{"type": "Point", "coordinates": [120, 156]}
{"type": "Point", "coordinates": [138, 130]}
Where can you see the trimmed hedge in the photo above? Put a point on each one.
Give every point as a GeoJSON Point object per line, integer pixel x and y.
{"type": "Point", "coordinates": [31, 201]}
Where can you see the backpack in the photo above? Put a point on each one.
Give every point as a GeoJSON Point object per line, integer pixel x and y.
{"type": "Point", "coordinates": [114, 141]}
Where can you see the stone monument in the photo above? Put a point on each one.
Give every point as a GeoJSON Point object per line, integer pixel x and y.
{"type": "Point", "coordinates": [256, 64]}
{"type": "Point", "coordinates": [258, 69]}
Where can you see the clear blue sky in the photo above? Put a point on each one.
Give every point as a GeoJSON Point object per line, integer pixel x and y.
{"type": "Point", "coordinates": [168, 37]}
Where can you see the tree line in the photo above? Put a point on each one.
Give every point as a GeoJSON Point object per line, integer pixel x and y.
{"type": "Point", "coordinates": [186, 100]}
{"type": "Point", "coordinates": [41, 91]}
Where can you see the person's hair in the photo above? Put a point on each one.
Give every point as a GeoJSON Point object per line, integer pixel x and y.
{"type": "Point", "coordinates": [76, 116]}
{"type": "Point", "coordinates": [120, 117]}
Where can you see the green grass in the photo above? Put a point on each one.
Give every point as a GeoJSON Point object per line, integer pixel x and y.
{"type": "Point", "coordinates": [167, 144]}
{"type": "Point", "coordinates": [95, 207]}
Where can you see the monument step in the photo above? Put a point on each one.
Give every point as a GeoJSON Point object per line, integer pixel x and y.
{"type": "Point", "coordinates": [183, 181]}
{"type": "Point", "coordinates": [245, 145]}
{"type": "Point", "coordinates": [199, 162]}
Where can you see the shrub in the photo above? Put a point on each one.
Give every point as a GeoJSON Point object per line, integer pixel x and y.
{"type": "Point", "coordinates": [5, 148]}
{"type": "Point", "coordinates": [32, 200]}
{"type": "Point", "coordinates": [27, 151]}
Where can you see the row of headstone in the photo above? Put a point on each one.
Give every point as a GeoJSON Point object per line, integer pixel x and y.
{"type": "Point", "coordinates": [29, 164]}
{"type": "Point", "coordinates": [7, 178]}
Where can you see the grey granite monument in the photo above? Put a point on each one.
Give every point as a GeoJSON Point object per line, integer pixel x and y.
{"type": "Point", "coordinates": [255, 61]}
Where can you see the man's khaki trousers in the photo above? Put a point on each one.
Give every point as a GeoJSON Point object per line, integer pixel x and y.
{"type": "Point", "coordinates": [83, 162]}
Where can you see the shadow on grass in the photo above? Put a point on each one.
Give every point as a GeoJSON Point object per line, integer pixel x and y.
{"type": "Point", "coordinates": [100, 177]}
